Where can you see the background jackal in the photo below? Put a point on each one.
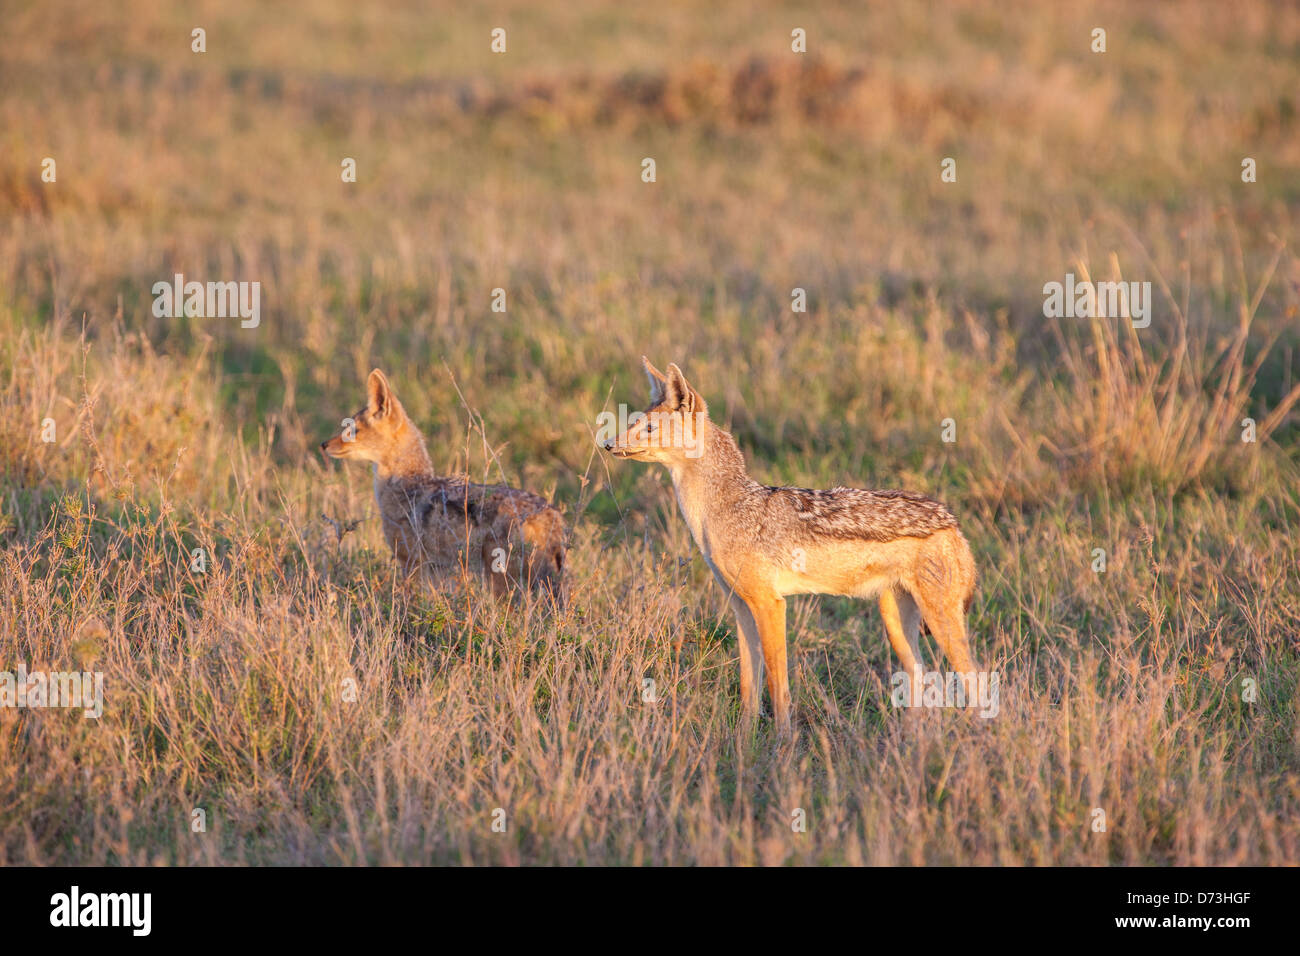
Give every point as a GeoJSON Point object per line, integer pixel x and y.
{"type": "Point", "coordinates": [765, 543]}
{"type": "Point", "coordinates": [442, 525]}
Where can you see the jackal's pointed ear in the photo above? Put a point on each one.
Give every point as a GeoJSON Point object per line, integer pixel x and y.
{"type": "Point", "coordinates": [678, 393]}
{"type": "Point", "coordinates": [379, 394]}
{"type": "Point", "coordinates": [657, 381]}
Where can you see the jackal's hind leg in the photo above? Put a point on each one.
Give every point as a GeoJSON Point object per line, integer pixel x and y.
{"type": "Point", "coordinates": [944, 615]}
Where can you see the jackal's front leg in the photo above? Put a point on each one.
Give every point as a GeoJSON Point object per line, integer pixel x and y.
{"type": "Point", "coordinates": [751, 655]}
{"type": "Point", "coordinates": [769, 615]}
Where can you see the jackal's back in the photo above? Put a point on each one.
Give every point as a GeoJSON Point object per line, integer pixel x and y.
{"type": "Point", "coordinates": [442, 523]}
{"type": "Point", "coordinates": [856, 513]}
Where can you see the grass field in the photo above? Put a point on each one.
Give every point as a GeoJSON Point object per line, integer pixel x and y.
{"type": "Point", "coordinates": [317, 713]}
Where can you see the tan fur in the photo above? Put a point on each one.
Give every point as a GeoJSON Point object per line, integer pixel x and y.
{"type": "Point", "coordinates": [765, 543]}
{"type": "Point", "coordinates": [443, 526]}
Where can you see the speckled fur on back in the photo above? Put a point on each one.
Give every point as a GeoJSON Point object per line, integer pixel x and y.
{"type": "Point", "coordinates": [865, 515]}
{"type": "Point", "coordinates": [806, 514]}
{"type": "Point", "coordinates": [444, 527]}
{"type": "Point", "coordinates": [764, 543]}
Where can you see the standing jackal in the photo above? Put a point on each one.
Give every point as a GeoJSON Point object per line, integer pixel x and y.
{"type": "Point", "coordinates": [765, 543]}
{"type": "Point", "coordinates": [441, 525]}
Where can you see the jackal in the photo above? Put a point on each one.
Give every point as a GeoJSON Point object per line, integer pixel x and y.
{"type": "Point", "coordinates": [765, 543]}
{"type": "Point", "coordinates": [439, 525]}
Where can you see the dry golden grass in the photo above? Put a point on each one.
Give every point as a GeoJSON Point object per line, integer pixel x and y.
{"type": "Point", "coordinates": [229, 690]}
